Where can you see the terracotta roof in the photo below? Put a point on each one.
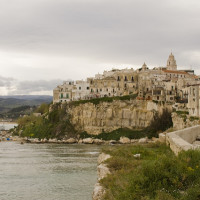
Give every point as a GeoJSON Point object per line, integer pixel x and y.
{"type": "Point", "coordinates": [175, 72]}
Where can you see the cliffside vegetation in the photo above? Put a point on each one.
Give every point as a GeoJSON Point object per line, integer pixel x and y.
{"type": "Point", "coordinates": [103, 99]}
{"type": "Point", "coordinates": [53, 124]}
{"type": "Point", "coordinates": [158, 174]}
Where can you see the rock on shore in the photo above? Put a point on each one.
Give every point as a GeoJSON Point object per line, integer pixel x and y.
{"type": "Point", "coordinates": [103, 171]}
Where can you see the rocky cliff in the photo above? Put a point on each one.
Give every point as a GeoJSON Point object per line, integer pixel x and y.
{"type": "Point", "coordinates": [181, 121]}
{"type": "Point", "coordinates": [109, 116]}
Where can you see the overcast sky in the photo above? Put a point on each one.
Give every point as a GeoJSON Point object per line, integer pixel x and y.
{"type": "Point", "coordinates": [43, 42]}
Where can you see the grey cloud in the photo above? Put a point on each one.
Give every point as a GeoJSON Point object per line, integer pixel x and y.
{"type": "Point", "coordinates": [102, 31]}
{"type": "Point", "coordinates": [6, 81]}
{"type": "Point", "coordinates": [27, 87]}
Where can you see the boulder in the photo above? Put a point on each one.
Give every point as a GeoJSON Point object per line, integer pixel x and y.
{"type": "Point", "coordinates": [53, 140]}
{"type": "Point", "coordinates": [103, 171]}
{"type": "Point", "coordinates": [98, 192]}
{"type": "Point", "coordinates": [143, 140]}
{"type": "Point", "coordinates": [124, 140]}
{"type": "Point", "coordinates": [134, 141]}
{"type": "Point", "coordinates": [138, 155]}
{"type": "Point", "coordinates": [98, 141]}
{"type": "Point", "coordinates": [71, 141]}
{"type": "Point", "coordinates": [88, 141]}
{"type": "Point", "coordinates": [103, 157]}
{"type": "Point", "coordinates": [155, 139]}
{"type": "Point", "coordinates": [80, 141]}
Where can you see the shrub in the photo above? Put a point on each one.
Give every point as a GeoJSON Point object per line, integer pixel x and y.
{"type": "Point", "coordinates": [160, 123]}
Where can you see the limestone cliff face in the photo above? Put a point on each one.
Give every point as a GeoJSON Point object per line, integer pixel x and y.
{"type": "Point", "coordinates": [108, 116]}
{"type": "Point", "coordinates": [183, 121]}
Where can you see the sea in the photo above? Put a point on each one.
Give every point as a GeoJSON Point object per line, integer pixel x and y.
{"type": "Point", "coordinates": [47, 171]}
{"type": "Point", "coordinates": [7, 126]}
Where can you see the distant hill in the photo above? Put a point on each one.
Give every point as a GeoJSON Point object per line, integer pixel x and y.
{"type": "Point", "coordinates": [8, 103]}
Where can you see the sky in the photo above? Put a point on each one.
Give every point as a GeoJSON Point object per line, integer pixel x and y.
{"type": "Point", "coordinates": [44, 42]}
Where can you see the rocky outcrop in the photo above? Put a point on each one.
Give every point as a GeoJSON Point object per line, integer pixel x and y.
{"type": "Point", "coordinates": [109, 116]}
{"type": "Point", "coordinates": [103, 171]}
{"type": "Point", "coordinates": [181, 121]}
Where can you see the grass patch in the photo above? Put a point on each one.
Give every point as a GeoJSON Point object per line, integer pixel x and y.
{"type": "Point", "coordinates": [158, 174]}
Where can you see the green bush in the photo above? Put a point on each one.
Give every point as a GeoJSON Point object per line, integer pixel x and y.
{"type": "Point", "coordinates": [43, 108]}
{"type": "Point", "coordinates": [55, 124]}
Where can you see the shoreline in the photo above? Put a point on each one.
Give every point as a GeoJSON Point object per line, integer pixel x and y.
{"type": "Point", "coordinates": [122, 141]}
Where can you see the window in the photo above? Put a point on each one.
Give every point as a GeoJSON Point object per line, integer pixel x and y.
{"type": "Point", "coordinates": [88, 88]}
{"type": "Point", "coordinates": [79, 88]}
{"type": "Point", "coordinates": [118, 78]}
{"type": "Point", "coordinates": [61, 95]}
{"type": "Point", "coordinates": [132, 79]}
{"type": "Point", "coordinates": [67, 96]}
{"type": "Point", "coordinates": [125, 79]}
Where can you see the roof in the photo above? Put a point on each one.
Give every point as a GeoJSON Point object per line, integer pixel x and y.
{"type": "Point", "coordinates": [175, 72]}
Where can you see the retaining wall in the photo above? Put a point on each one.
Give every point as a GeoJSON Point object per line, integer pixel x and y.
{"type": "Point", "coordinates": [183, 139]}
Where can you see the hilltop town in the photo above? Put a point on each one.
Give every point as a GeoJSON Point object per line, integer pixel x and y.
{"type": "Point", "coordinates": [179, 88]}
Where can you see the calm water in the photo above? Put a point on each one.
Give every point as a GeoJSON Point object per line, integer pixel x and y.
{"type": "Point", "coordinates": [7, 126]}
{"type": "Point", "coordinates": [47, 171]}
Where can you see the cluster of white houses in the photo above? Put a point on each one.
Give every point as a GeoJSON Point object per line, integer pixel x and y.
{"type": "Point", "coordinates": [165, 84]}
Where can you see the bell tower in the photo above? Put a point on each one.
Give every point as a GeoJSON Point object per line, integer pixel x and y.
{"type": "Point", "coordinates": [171, 63]}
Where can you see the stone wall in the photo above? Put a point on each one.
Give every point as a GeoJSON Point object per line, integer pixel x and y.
{"type": "Point", "coordinates": [183, 139]}
{"type": "Point", "coordinates": [109, 116]}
